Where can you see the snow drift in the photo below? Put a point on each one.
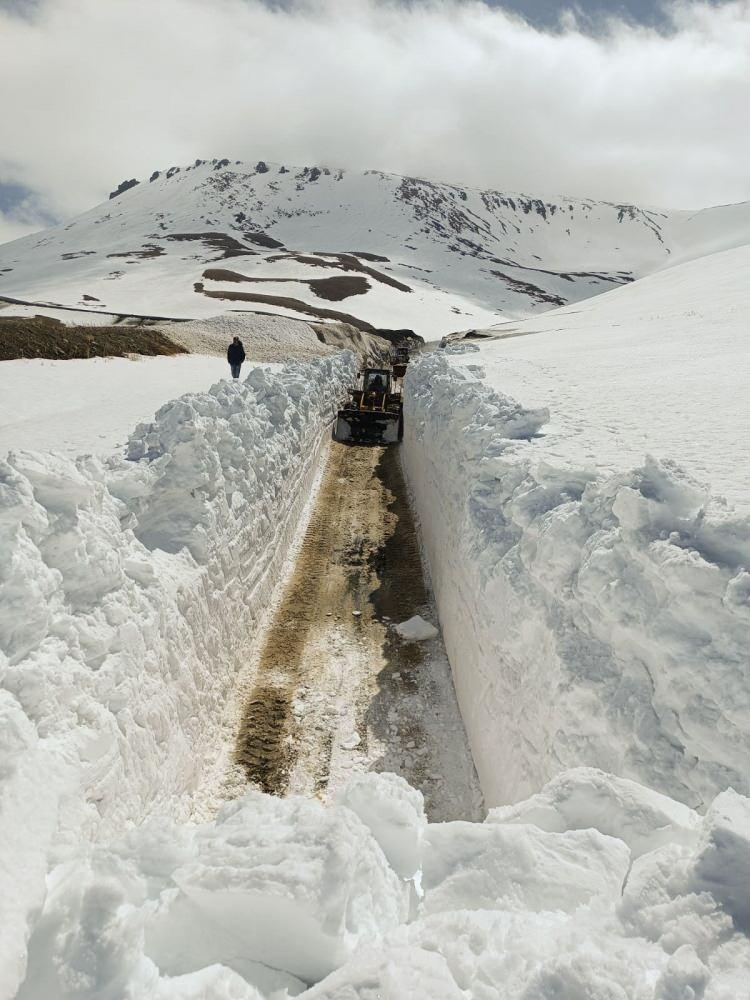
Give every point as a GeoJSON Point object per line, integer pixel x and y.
{"type": "Point", "coordinates": [129, 590]}
{"type": "Point", "coordinates": [591, 617]}
{"type": "Point", "coordinates": [283, 897]}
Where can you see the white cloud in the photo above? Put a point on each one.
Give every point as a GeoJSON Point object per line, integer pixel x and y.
{"type": "Point", "coordinates": [12, 230]}
{"type": "Point", "coordinates": [106, 89]}
{"type": "Point", "coordinates": [21, 212]}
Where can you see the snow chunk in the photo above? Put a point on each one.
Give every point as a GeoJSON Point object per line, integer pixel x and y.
{"type": "Point", "coordinates": [495, 955]}
{"type": "Point", "coordinates": [394, 813]}
{"type": "Point", "coordinates": [284, 882]}
{"type": "Point", "coordinates": [398, 973]}
{"type": "Point", "coordinates": [685, 976]}
{"type": "Point", "coordinates": [472, 866]}
{"type": "Point", "coordinates": [722, 864]}
{"type": "Point", "coordinates": [215, 982]}
{"type": "Point", "coordinates": [416, 629]}
{"type": "Point", "coordinates": [657, 904]}
{"type": "Point", "coordinates": [587, 797]}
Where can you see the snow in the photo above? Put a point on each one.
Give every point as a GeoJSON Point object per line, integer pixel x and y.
{"type": "Point", "coordinates": [722, 864]}
{"type": "Point", "coordinates": [90, 406]}
{"type": "Point", "coordinates": [265, 338]}
{"type": "Point", "coordinates": [267, 863]}
{"type": "Point", "coordinates": [399, 972]}
{"type": "Point", "coordinates": [586, 798]}
{"type": "Point", "coordinates": [416, 629]}
{"type": "Point", "coordinates": [480, 866]}
{"type": "Point", "coordinates": [667, 364]}
{"type": "Point", "coordinates": [129, 590]}
{"type": "Point", "coordinates": [593, 596]}
{"type": "Point", "coordinates": [393, 811]}
{"type": "Point", "coordinates": [285, 897]}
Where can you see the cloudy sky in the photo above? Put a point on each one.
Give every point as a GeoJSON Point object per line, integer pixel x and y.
{"type": "Point", "coordinates": [631, 101]}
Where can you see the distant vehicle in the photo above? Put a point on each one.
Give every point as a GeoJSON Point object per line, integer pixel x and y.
{"type": "Point", "coordinates": [400, 360]}
{"type": "Point", "coordinates": [374, 412]}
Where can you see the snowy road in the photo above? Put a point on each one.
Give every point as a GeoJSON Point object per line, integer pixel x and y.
{"type": "Point", "coordinates": [91, 406]}
{"type": "Point", "coordinates": [336, 691]}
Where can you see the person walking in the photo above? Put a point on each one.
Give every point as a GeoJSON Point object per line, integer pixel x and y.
{"type": "Point", "coordinates": [235, 356]}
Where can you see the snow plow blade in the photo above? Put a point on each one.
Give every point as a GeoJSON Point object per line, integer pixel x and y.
{"type": "Point", "coordinates": [367, 427]}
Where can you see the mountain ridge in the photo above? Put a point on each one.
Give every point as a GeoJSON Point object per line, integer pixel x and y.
{"type": "Point", "coordinates": [366, 247]}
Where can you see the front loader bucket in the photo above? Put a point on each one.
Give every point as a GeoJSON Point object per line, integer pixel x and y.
{"type": "Point", "coordinates": [367, 427]}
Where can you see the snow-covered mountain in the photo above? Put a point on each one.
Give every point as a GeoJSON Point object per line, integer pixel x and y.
{"type": "Point", "coordinates": [375, 249]}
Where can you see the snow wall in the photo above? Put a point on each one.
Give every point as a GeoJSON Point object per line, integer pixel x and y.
{"type": "Point", "coordinates": [589, 619]}
{"type": "Point", "coordinates": [129, 591]}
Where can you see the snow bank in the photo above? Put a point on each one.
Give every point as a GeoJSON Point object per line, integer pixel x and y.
{"type": "Point", "coordinates": [283, 897]}
{"type": "Point", "coordinates": [473, 866]}
{"type": "Point", "coordinates": [129, 590]}
{"type": "Point", "coordinates": [585, 798]}
{"type": "Point", "coordinates": [590, 618]}
{"type": "Point", "coordinates": [266, 338]}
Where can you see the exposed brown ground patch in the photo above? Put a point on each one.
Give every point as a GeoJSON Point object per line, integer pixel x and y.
{"type": "Point", "coordinates": [228, 245]}
{"type": "Point", "coordinates": [147, 251]}
{"type": "Point", "coordinates": [333, 289]}
{"type": "Point", "coordinates": [43, 337]}
{"type": "Point", "coordinates": [345, 262]}
{"type": "Point", "coordinates": [296, 305]}
{"type": "Point", "coordinates": [366, 255]}
{"type": "Point", "coordinates": [340, 287]}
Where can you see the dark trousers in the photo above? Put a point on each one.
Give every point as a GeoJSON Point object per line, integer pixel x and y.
{"type": "Point", "coordinates": [236, 370]}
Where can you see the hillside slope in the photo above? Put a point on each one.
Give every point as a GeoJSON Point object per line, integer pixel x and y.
{"type": "Point", "coordinates": [370, 248]}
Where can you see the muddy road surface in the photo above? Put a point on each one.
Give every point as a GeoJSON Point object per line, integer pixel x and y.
{"type": "Point", "coordinates": [335, 690]}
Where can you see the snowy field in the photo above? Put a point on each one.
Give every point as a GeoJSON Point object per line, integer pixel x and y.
{"type": "Point", "coordinates": [91, 406]}
{"type": "Point", "coordinates": [662, 367]}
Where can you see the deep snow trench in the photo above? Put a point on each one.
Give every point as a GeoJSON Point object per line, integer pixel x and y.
{"type": "Point", "coordinates": [135, 591]}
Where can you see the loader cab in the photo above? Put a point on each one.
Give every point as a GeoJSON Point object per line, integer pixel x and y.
{"type": "Point", "coordinates": [376, 380]}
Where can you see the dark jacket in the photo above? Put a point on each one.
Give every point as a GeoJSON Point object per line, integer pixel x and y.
{"type": "Point", "coordinates": [235, 353]}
